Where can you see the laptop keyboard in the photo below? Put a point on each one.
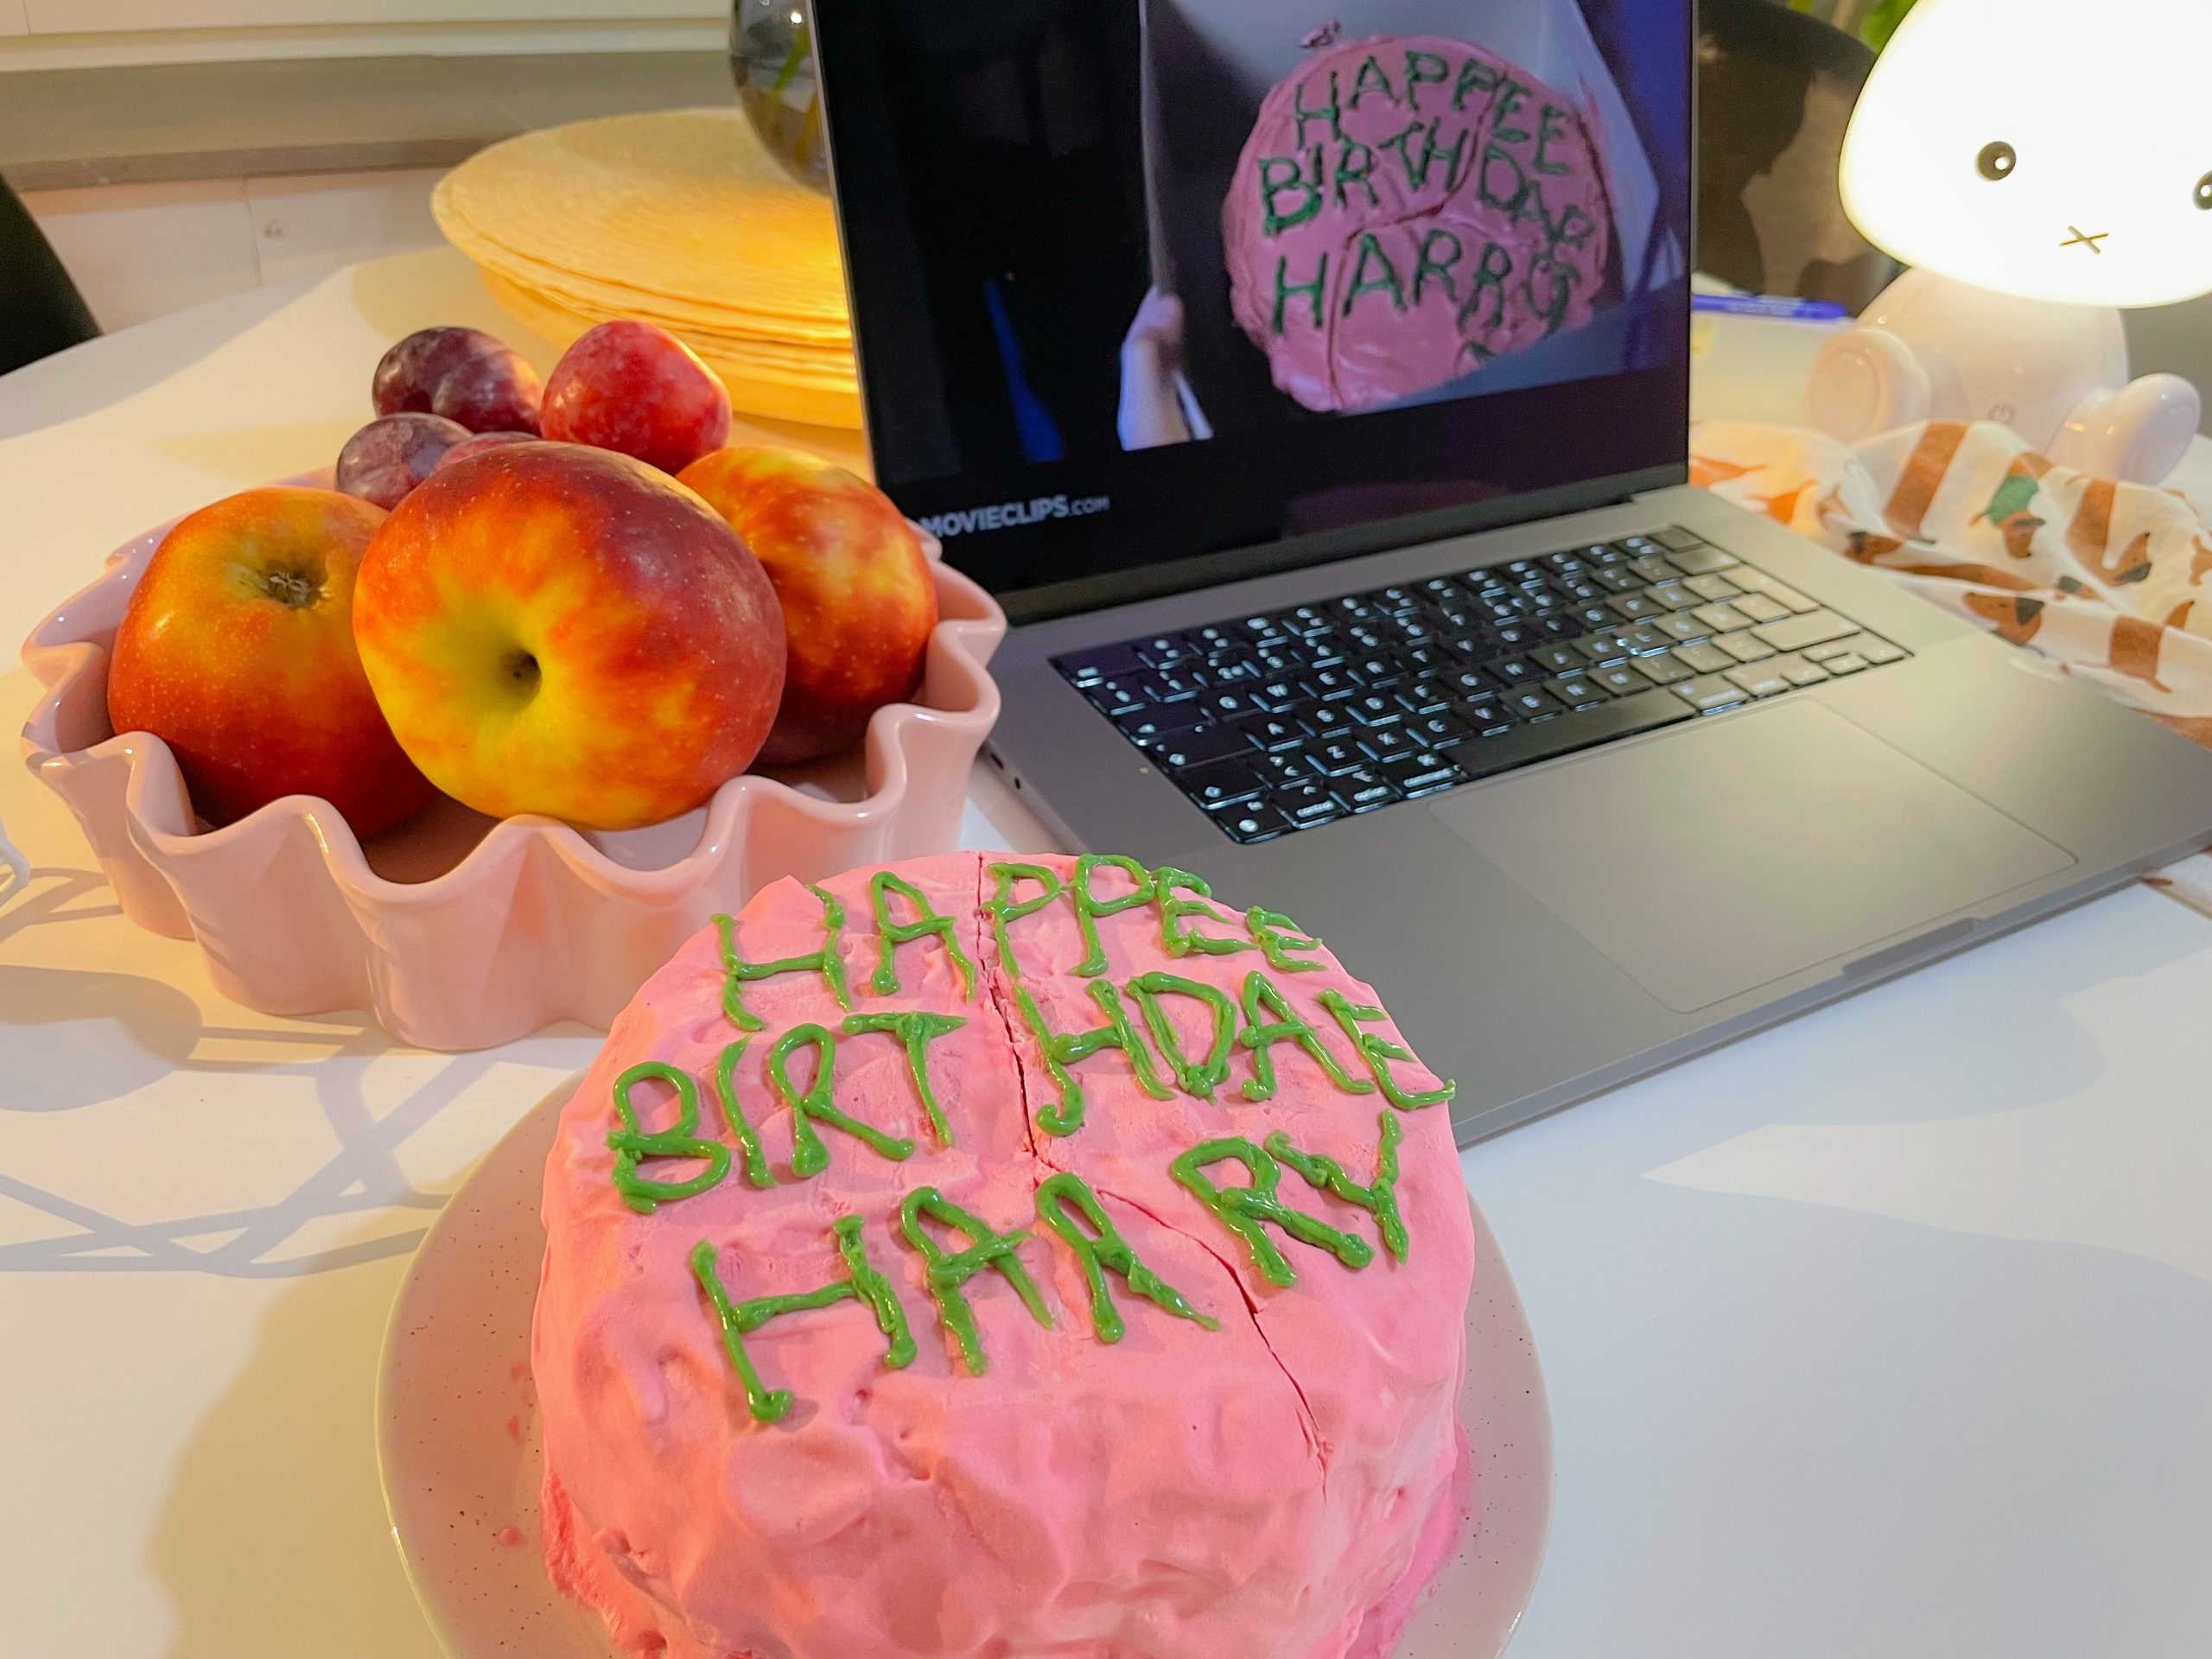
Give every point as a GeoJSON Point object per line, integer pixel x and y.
{"type": "Point", "coordinates": [1295, 719]}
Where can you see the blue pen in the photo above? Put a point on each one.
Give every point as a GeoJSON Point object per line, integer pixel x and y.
{"type": "Point", "coordinates": [1767, 305]}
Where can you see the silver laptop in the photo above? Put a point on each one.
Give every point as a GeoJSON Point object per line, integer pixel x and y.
{"type": "Point", "coordinates": [1310, 382]}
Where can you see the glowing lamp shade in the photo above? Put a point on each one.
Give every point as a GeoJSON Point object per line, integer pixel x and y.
{"type": "Point", "coordinates": [2054, 150]}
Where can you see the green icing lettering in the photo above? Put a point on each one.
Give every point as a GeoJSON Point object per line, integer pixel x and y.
{"type": "Point", "coordinates": [1379, 1199]}
{"type": "Point", "coordinates": [917, 1030]}
{"type": "Point", "coordinates": [1371, 78]}
{"type": "Point", "coordinates": [1275, 183]}
{"type": "Point", "coordinates": [1269, 1020]}
{"type": "Point", "coordinates": [1418, 170]}
{"type": "Point", "coordinates": [1088, 906]}
{"type": "Point", "coordinates": [1475, 76]}
{"type": "Point", "coordinates": [1361, 173]}
{"type": "Point", "coordinates": [1509, 99]}
{"type": "Point", "coordinates": [1177, 939]}
{"type": "Point", "coordinates": [1490, 272]}
{"type": "Point", "coordinates": [737, 972]}
{"type": "Point", "coordinates": [1248, 1212]}
{"type": "Point", "coordinates": [756, 1162]}
{"type": "Point", "coordinates": [861, 1283]}
{"type": "Point", "coordinates": [1379, 1051]}
{"type": "Point", "coordinates": [945, 1274]}
{"type": "Point", "coordinates": [809, 1156]}
{"type": "Point", "coordinates": [1306, 113]}
{"type": "Point", "coordinates": [1004, 910]}
{"type": "Point", "coordinates": [891, 935]}
{"type": "Point", "coordinates": [631, 1143]}
{"type": "Point", "coordinates": [1277, 936]}
{"type": "Point", "coordinates": [1428, 266]}
{"type": "Point", "coordinates": [1065, 1049]}
{"type": "Point", "coordinates": [1198, 1078]}
{"type": "Point", "coordinates": [1313, 291]}
{"type": "Point", "coordinates": [1371, 251]}
{"type": "Point", "coordinates": [1550, 124]}
{"type": "Point", "coordinates": [1496, 164]}
{"type": "Point", "coordinates": [1061, 1200]}
{"type": "Point", "coordinates": [1424, 68]}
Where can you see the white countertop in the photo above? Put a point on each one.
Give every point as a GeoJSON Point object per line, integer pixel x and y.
{"type": "Point", "coordinates": [1884, 1333]}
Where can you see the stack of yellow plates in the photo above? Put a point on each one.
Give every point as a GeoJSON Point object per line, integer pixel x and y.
{"type": "Point", "coordinates": [681, 219]}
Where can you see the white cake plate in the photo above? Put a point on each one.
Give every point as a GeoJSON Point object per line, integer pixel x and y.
{"type": "Point", "coordinates": [457, 1436]}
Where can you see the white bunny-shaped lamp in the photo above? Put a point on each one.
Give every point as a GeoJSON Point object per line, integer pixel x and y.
{"type": "Point", "coordinates": [2040, 164]}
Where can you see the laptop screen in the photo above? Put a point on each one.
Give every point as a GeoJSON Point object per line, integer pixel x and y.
{"type": "Point", "coordinates": [1152, 292]}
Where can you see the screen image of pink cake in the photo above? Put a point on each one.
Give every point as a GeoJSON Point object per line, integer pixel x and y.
{"type": "Point", "coordinates": [1407, 210]}
{"type": "Point", "coordinates": [992, 1256]}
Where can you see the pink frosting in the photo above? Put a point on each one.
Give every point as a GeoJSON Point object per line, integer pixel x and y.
{"type": "Point", "coordinates": [1279, 1488]}
{"type": "Point", "coordinates": [1406, 210]}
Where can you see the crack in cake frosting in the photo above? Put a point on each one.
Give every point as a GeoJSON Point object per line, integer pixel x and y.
{"type": "Point", "coordinates": [1002, 1257]}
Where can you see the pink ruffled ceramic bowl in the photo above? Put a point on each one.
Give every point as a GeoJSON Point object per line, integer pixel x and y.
{"type": "Point", "coordinates": [462, 931]}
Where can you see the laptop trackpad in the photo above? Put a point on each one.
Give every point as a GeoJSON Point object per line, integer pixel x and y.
{"type": "Point", "coordinates": [1727, 856]}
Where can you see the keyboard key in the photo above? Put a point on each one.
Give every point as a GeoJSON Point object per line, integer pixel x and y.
{"type": "Point", "coordinates": [1559, 659]}
{"type": "Point", "coordinates": [1257, 821]}
{"type": "Point", "coordinates": [1850, 663]}
{"type": "Point", "coordinates": [1760, 681]}
{"type": "Point", "coordinates": [1798, 671]}
{"type": "Point", "coordinates": [1576, 691]}
{"type": "Point", "coordinates": [1669, 670]}
{"type": "Point", "coordinates": [1754, 580]}
{"type": "Point", "coordinates": [1180, 751]}
{"type": "Point", "coordinates": [1610, 646]}
{"type": "Point", "coordinates": [1644, 641]}
{"type": "Point", "coordinates": [1225, 783]}
{"type": "Point", "coordinates": [1273, 733]}
{"type": "Point", "coordinates": [1423, 697]}
{"type": "Point", "coordinates": [1761, 607]}
{"type": "Point", "coordinates": [1276, 696]}
{"type": "Point", "coordinates": [1814, 628]}
{"type": "Point", "coordinates": [1308, 804]}
{"type": "Point", "coordinates": [1709, 693]}
{"type": "Point", "coordinates": [1593, 617]}
{"type": "Point", "coordinates": [1424, 774]}
{"type": "Point", "coordinates": [1617, 579]}
{"type": "Point", "coordinates": [1653, 568]}
{"type": "Point", "coordinates": [1363, 791]}
{"type": "Point", "coordinates": [1145, 725]}
{"type": "Point", "coordinates": [1334, 757]}
{"type": "Point", "coordinates": [1286, 766]}
{"type": "Point", "coordinates": [1173, 684]}
{"type": "Point", "coordinates": [1088, 668]}
{"type": "Point", "coordinates": [1226, 705]}
{"type": "Point", "coordinates": [1387, 743]}
{"type": "Point", "coordinates": [1877, 652]}
{"type": "Point", "coordinates": [1328, 684]}
{"type": "Point", "coordinates": [1373, 672]}
{"type": "Point", "coordinates": [1328, 720]}
{"type": "Point", "coordinates": [1163, 649]}
{"type": "Point", "coordinates": [1836, 648]}
{"type": "Point", "coordinates": [1676, 540]}
{"type": "Point", "coordinates": [1517, 672]}
{"type": "Point", "coordinates": [1712, 589]}
{"type": "Point", "coordinates": [1634, 607]}
{"type": "Point", "coordinates": [1721, 619]}
{"type": "Point", "coordinates": [1622, 680]}
{"type": "Point", "coordinates": [1683, 625]}
{"type": "Point", "coordinates": [1439, 731]}
{"type": "Point", "coordinates": [1745, 647]}
{"type": "Point", "coordinates": [1703, 658]}
{"type": "Point", "coordinates": [1376, 708]}
{"type": "Point", "coordinates": [1111, 696]}
{"type": "Point", "coordinates": [1674, 596]}
{"type": "Point", "coordinates": [1701, 560]}
{"type": "Point", "coordinates": [1306, 618]}
{"type": "Point", "coordinates": [1243, 667]}
{"type": "Point", "coordinates": [1532, 702]}
{"type": "Point", "coordinates": [1257, 629]}
{"type": "Point", "coordinates": [1485, 757]}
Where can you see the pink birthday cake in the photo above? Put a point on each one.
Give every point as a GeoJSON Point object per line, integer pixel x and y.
{"type": "Point", "coordinates": [1407, 210]}
{"type": "Point", "coordinates": [996, 1256]}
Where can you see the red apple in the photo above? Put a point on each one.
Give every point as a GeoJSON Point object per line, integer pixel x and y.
{"type": "Point", "coordinates": [630, 387]}
{"type": "Point", "coordinates": [237, 650]}
{"type": "Point", "coordinates": [859, 601]}
{"type": "Point", "coordinates": [562, 630]}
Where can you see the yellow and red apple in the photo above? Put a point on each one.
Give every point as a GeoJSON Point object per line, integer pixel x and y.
{"type": "Point", "coordinates": [562, 630]}
{"type": "Point", "coordinates": [858, 599]}
{"type": "Point", "coordinates": [237, 650]}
